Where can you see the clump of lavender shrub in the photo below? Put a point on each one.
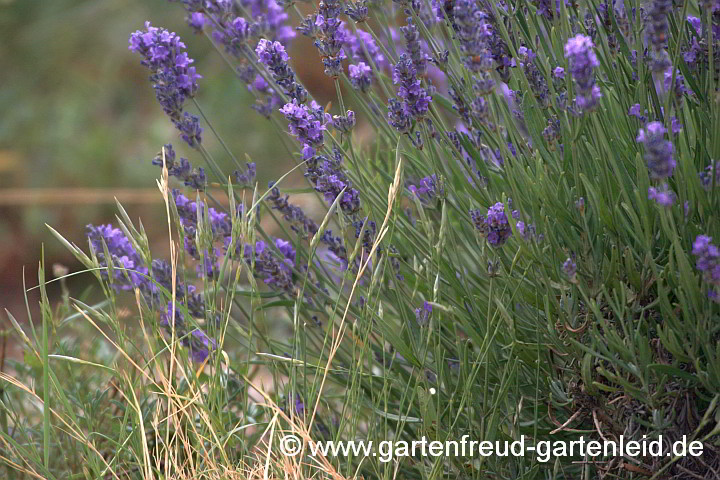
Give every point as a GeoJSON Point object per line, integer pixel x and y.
{"type": "Point", "coordinates": [587, 303]}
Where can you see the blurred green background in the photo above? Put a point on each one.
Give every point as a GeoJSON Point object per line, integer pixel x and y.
{"type": "Point", "coordinates": [80, 125]}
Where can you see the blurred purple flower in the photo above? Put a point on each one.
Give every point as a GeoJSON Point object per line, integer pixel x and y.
{"type": "Point", "coordinates": [569, 268]}
{"type": "Point", "coordinates": [663, 196]}
{"type": "Point", "coordinates": [361, 76]}
{"type": "Point", "coordinates": [579, 52]}
{"type": "Point", "coordinates": [708, 262]}
{"type": "Point", "coordinates": [422, 314]}
{"type": "Point", "coordinates": [658, 151]}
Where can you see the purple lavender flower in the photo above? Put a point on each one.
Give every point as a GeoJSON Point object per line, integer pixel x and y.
{"type": "Point", "coordinates": [545, 8]}
{"type": "Point", "coordinates": [657, 23]}
{"type": "Point", "coordinates": [414, 101]}
{"type": "Point", "coordinates": [528, 232]}
{"type": "Point", "coordinates": [181, 169]}
{"type": "Point", "coordinates": [265, 19]}
{"type": "Point", "coordinates": [636, 111]}
{"type": "Point", "coordinates": [366, 230]}
{"type": "Point", "coordinates": [309, 26]}
{"type": "Point", "coordinates": [361, 76]}
{"type": "Point", "coordinates": [427, 188]}
{"type": "Point", "coordinates": [551, 133]}
{"type": "Point", "coordinates": [200, 345]}
{"type": "Point", "coordinates": [679, 88]}
{"type": "Point", "coordinates": [399, 116]}
{"type": "Point", "coordinates": [220, 230]}
{"type": "Point", "coordinates": [706, 176]}
{"type": "Point", "coordinates": [494, 226]}
{"type": "Point", "coordinates": [189, 300]}
{"type": "Point", "coordinates": [248, 176]}
{"type": "Point", "coordinates": [336, 247]}
{"type": "Point", "coordinates": [537, 81]}
{"type": "Point", "coordinates": [274, 56]}
{"type": "Point", "coordinates": [196, 21]}
{"type": "Point", "coordinates": [569, 268]}
{"type": "Point", "coordinates": [422, 314]}
{"type": "Point", "coordinates": [362, 47]}
{"type": "Point", "coordinates": [299, 222]}
{"type": "Point", "coordinates": [276, 272]}
{"type": "Point", "coordinates": [299, 406]}
{"type": "Point", "coordinates": [696, 24]}
{"type": "Point", "coordinates": [306, 123]}
{"type": "Point", "coordinates": [187, 210]}
{"type": "Point", "coordinates": [480, 107]}
{"type": "Point", "coordinates": [233, 35]}
{"type": "Point", "coordinates": [582, 58]}
{"type": "Point", "coordinates": [333, 66]}
{"type": "Point", "coordinates": [329, 178]}
{"type": "Point", "coordinates": [358, 10]}
{"type": "Point", "coordinates": [473, 30]}
{"type": "Point", "coordinates": [330, 36]}
{"type": "Point", "coordinates": [675, 126]}
{"type": "Point", "coordinates": [268, 104]}
{"type": "Point", "coordinates": [691, 53]}
{"type": "Point", "coordinates": [197, 341]}
{"type": "Point", "coordinates": [658, 151]}
{"type": "Point", "coordinates": [657, 33]}
{"type": "Point", "coordinates": [415, 47]}
{"type": "Point", "coordinates": [559, 72]}
{"type": "Point", "coordinates": [460, 106]}
{"type": "Point", "coordinates": [708, 262]}
{"type": "Point", "coordinates": [711, 5]}
{"type": "Point", "coordinates": [344, 123]}
{"type": "Point", "coordinates": [129, 271]}
{"type": "Point", "coordinates": [173, 79]}
{"type": "Point", "coordinates": [663, 196]}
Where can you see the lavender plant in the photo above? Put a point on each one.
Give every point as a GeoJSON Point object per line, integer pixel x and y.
{"type": "Point", "coordinates": [528, 234]}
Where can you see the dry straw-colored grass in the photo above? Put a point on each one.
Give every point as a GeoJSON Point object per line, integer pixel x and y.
{"type": "Point", "coordinates": [194, 450]}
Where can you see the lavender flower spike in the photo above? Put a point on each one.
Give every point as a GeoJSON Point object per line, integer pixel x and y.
{"type": "Point", "coordinates": [569, 268]}
{"type": "Point", "coordinates": [413, 101]}
{"type": "Point", "coordinates": [663, 196]}
{"type": "Point", "coordinates": [494, 226]}
{"type": "Point", "coordinates": [330, 36]}
{"type": "Point", "coordinates": [414, 46]}
{"type": "Point", "coordinates": [658, 151]}
{"type": "Point", "coordinates": [657, 31]}
{"type": "Point", "coordinates": [708, 262]}
{"type": "Point", "coordinates": [181, 169]}
{"type": "Point", "coordinates": [173, 79]}
{"type": "Point", "coordinates": [306, 123]}
{"type": "Point", "coordinates": [422, 314]}
{"type": "Point", "coordinates": [130, 273]}
{"type": "Point", "coordinates": [361, 76]}
{"type": "Point", "coordinates": [274, 56]}
{"type": "Point", "coordinates": [427, 188]}
{"type": "Point", "coordinates": [582, 58]}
